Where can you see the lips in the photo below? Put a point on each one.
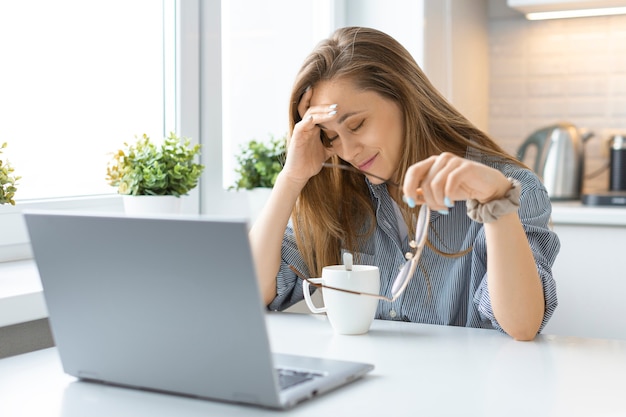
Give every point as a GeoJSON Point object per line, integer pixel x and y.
{"type": "Point", "coordinates": [367, 164]}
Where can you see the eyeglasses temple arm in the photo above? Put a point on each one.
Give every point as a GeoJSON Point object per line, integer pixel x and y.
{"type": "Point", "coordinates": [301, 276]}
{"type": "Point", "coordinates": [358, 171]}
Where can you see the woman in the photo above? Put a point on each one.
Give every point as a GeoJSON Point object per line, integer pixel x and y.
{"type": "Point", "coordinates": [361, 101]}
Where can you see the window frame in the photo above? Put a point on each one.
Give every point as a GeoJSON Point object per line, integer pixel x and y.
{"type": "Point", "coordinates": [14, 240]}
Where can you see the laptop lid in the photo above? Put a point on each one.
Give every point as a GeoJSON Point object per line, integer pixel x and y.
{"type": "Point", "coordinates": [168, 304]}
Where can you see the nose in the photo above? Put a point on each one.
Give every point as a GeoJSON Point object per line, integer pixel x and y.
{"type": "Point", "coordinates": [349, 150]}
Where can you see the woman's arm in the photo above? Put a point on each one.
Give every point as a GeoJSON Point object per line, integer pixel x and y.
{"type": "Point", "coordinates": [267, 233]}
{"type": "Point", "coordinates": [305, 155]}
{"type": "Point", "coordinates": [515, 289]}
{"type": "Point", "coordinates": [514, 285]}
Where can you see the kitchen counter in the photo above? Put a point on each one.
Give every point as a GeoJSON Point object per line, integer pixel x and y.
{"type": "Point", "coordinates": [576, 213]}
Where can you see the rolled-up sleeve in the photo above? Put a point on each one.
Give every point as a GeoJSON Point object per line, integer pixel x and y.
{"type": "Point", "coordinates": [288, 285]}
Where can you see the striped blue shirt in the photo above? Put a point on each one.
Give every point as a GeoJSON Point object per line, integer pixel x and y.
{"type": "Point", "coordinates": [458, 294]}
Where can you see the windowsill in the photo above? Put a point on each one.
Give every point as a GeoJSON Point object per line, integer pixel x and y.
{"type": "Point", "coordinates": [21, 293]}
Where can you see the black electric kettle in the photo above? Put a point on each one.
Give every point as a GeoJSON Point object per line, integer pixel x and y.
{"type": "Point", "coordinates": [560, 159]}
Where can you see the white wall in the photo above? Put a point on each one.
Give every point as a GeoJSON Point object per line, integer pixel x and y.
{"type": "Point", "coordinates": [402, 19]}
{"type": "Point", "coordinates": [456, 54]}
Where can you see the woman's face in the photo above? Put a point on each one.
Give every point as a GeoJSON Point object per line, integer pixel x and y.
{"type": "Point", "coordinates": [368, 129]}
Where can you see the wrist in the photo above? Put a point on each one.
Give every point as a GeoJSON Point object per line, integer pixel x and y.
{"type": "Point", "coordinates": [286, 181]}
{"type": "Point", "coordinates": [492, 210]}
{"type": "Point", "coordinates": [498, 194]}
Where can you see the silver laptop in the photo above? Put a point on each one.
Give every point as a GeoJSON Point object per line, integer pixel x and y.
{"type": "Point", "coordinates": [168, 304]}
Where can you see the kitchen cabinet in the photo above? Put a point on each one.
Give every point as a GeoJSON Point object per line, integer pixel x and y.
{"type": "Point", "coordinates": [590, 271]}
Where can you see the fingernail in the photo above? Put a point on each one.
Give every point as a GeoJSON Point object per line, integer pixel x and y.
{"type": "Point", "coordinates": [442, 211]}
{"type": "Point", "coordinates": [409, 201]}
{"type": "Point", "coordinates": [448, 203]}
{"type": "Point", "coordinates": [332, 106]}
{"type": "Point", "coordinates": [332, 113]}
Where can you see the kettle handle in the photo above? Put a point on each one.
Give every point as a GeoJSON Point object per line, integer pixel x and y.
{"type": "Point", "coordinates": [537, 139]}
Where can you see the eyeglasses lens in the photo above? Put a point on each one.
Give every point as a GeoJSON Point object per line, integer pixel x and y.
{"type": "Point", "coordinates": [407, 271]}
{"type": "Point", "coordinates": [421, 229]}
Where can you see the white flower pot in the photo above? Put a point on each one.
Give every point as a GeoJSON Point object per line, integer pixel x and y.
{"type": "Point", "coordinates": [151, 204]}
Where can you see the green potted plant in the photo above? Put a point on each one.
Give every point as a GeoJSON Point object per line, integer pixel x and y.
{"type": "Point", "coordinates": [258, 166]}
{"type": "Point", "coordinates": [259, 163]}
{"type": "Point", "coordinates": [7, 181]}
{"type": "Point", "coordinates": [145, 169]}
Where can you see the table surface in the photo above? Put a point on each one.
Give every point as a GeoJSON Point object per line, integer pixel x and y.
{"type": "Point", "coordinates": [421, 370]}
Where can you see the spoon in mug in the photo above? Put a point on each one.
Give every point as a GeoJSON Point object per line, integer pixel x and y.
{"type": "Point", "coordinates": [347, 261]}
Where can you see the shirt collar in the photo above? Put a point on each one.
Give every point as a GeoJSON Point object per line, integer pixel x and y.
{"type": "Point", "coordinates": [377, 190]}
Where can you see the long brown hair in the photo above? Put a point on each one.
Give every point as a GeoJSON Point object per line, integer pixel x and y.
{"type": "Point", "coordinates": [334, 209]}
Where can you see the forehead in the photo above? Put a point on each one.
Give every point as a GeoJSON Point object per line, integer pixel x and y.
{"type": "Point", "coordinates": [352, 99]}
{"type": "Point", "coordinates": [341, 91]}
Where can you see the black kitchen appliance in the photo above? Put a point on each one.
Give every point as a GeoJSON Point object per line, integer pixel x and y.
{"type": "Point", "coordinates": [616, 194]}
{"type": "Point", "coordinates": [617, 178]}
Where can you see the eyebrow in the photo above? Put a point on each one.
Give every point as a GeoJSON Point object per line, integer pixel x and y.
{"type": "Point", "coordinates": [342, 119]}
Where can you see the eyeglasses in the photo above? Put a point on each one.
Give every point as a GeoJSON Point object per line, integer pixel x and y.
{"type": "Point", "coordinates": [407, 270]}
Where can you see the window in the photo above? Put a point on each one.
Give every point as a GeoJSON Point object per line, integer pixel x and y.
{"type": "Point", "coordinates": [264, 44]}
{"type": "Point", "coordinates": [79, 79]}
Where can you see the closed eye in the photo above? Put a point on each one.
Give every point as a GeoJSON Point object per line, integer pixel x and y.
{"type": "Point", "coordinates": [357, 127]}
{"type": "Point", "coordinates": [327, 139]}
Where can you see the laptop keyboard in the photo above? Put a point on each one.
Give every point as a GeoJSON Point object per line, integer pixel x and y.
{"type": "Point", "coordinates": [289, 377]}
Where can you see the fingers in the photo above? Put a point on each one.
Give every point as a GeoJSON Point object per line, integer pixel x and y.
{"type": "Point", "coordinates": [312, 115]}
{"type": "Point", "coordinates": [316, 115]}
{"type": "Point", "coordinates": [435, 179]}
{"type": "Point", "coordinates": [413, 180]}
{"type": "Point", "coordinates": [439, 182]}
{"type": "Point", "coordinates": [306, 152]}
{"type": "Point", "coordinates": [446, 178]}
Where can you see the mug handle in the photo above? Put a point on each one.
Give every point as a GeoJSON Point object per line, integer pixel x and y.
{"type": "Point", "coordinates": [307, 295]}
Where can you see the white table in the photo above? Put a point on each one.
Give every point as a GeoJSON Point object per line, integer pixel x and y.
{"type": "Point", "coordinates": [421, 370]}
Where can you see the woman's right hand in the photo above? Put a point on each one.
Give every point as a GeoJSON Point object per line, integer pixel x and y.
{"type": "Point", "coordinates": [305, 151]}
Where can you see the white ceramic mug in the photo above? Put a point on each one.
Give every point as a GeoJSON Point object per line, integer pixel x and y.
{"type": "Point", "coordinates": [347, 313]}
